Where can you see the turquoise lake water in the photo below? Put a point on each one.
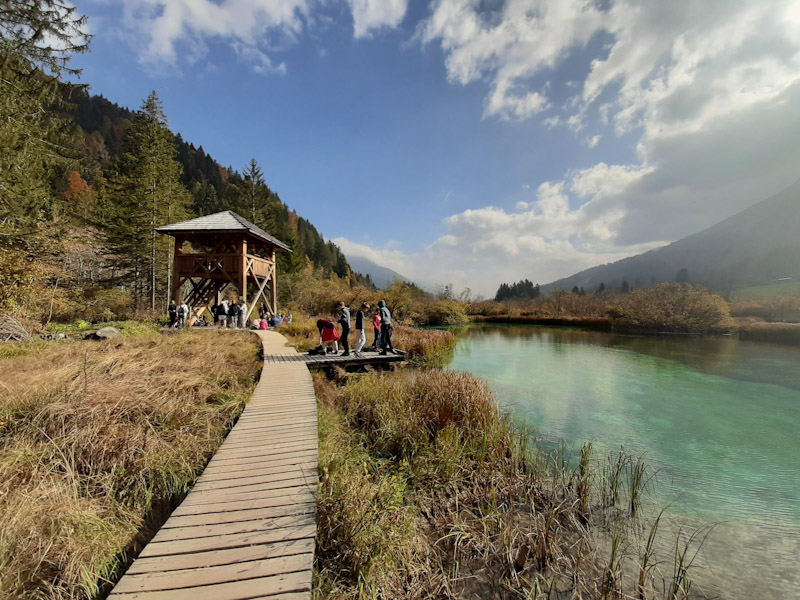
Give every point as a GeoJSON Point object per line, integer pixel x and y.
{"type": "Point", "coordinates": [718, 418]}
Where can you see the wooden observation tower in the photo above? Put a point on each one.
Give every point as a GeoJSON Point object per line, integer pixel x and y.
{"type": "Point", "coordinates": [218, 250]}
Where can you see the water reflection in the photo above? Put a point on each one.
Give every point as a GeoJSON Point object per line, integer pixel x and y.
{"type": "Point", "coordinates": [719, 417]}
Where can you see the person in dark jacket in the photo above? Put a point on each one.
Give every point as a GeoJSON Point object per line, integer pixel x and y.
{"type": "Point", "coordinates": [233, 315]}
{"type": "Point", "coordinates": [172, 312]}
{"type": "Point", "coordinates": [386, 328]}
{"type": "Point", "coordinates": [344, 321]}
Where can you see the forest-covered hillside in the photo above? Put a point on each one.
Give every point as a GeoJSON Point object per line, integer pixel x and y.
{"type": "Point", "coordinates": [83, 182]}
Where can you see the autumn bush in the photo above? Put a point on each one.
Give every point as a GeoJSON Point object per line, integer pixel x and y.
{"type": "Point", "coordinates": [671, 308]}
{"type": "Point", "coordinates": [446, 312]}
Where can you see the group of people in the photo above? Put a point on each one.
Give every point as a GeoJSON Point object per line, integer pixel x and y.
{"type": "Point", "coordinates": [381, 323]}
{"type": "Point", "coordinates": [178, 313]}
{"type": "Point", "coordinates": [272, 320]}
{"type": "Point", "coordinates": [227, 315]}
{"type": "Point", "coordinates": [231, 315]}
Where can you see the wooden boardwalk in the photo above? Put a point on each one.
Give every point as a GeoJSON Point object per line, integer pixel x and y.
{"type": "Point", "coordinates": [247, 528]}
{"type": "Point", "coordinates": [329, 360]}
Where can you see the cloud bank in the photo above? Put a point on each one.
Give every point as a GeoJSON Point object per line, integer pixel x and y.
{"type": "Point", "coordinates": [169, 32]}
{"type": "Point", "coordinates": [706, 91]}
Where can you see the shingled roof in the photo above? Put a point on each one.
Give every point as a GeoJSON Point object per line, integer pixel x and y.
{"type": "Point", "coordinates": [226, 220]}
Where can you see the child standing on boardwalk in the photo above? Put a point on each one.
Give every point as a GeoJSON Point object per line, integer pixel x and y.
{"type": "Point", "coordinates": [344, 321]}
{"type": "Point", "coordinates": [361, 336]}
{"type": "Point", "coordinates": [376, 324]}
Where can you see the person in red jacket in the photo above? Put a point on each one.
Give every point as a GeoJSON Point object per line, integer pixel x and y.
{"type": "Point", "coordinates": [328, 336]}
{"type": "Point", "coordinates": [376, 325]}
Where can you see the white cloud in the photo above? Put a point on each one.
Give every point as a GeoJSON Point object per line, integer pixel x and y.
{"type": "Point", "coordinates": [707, 91]}
{"type": "Point", "coordinates": [369, 15]}
{"type": "Point", "coordinates": [542, 240]}
{"type": "Point", "coordinates": [168, 32]}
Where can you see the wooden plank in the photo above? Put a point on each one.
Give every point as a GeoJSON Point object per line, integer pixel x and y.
{"type": "Point", "coordinates": [234, 540]}
{"type": "Point", "coordinates": [234, 464]}
{"type": "Point", "coordinates": [175, 534]}
{"type": "Point", "coordinates": [188, 578]}
{"type": "Point", "coordinates": [277, 498]}
{"type": "Point", "coordinates": [255, 472]}
{"type": "Point", "coordinates": [291, 507]}
{"type": "Point", "coordinates": [240, 483]}
{"type": "Point", "coordinates": [235, 590]}
{"type": "Point", "coordinates": [228, 556]}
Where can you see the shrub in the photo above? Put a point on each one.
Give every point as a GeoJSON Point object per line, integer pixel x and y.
{"type": "Point", "coordinates": [446, 312]}
{"type": "Point", "coordinates": [426, 347]}
{"type": "Point", "coordinates": [671, 307]}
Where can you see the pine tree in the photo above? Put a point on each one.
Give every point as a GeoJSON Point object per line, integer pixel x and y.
{"type": "Point", "coordinates": [254, 190]}
{"type": "Point", "coordinates": [149, 194]}
{"type": "Point", "coordinates": [37, 40]}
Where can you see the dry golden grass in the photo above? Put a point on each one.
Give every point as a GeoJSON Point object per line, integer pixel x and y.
{"type": "Point", "coordinates": [429, 491]}
{"type": "Point", "coordinates": [98, 441]}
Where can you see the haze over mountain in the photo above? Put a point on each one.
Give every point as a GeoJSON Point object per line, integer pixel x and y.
{"type": "Point", "coordinates": [381, 276]}
{"type": "Point", "coordinates": [756, 246]}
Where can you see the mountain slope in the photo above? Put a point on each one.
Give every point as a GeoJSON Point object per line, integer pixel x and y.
{"type": "Point", "coordinates": [753, 247]}
{"type": "Point", "coordinates": [100, 126]}
{"type": "Point", "coordinates": [382, 277]}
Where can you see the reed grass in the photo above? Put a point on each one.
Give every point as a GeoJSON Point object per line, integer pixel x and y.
{"type": "Point", "coordinates": [776, 333]}
{"type": "Point", "coordinates": [99, 441]}
{"type": "Point", "coordinates": [429, 491]}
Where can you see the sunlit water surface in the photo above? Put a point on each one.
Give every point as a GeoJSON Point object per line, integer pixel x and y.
{"type": "Point", "coordinates": [718, 418]}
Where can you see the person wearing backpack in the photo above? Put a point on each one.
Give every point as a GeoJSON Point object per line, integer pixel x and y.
{"type": "Point", "coordinates": [386, 328]}
{"type": "Point", "coordinates": [182, 312]}
{"type": "Point", "coordinates": [172, 311]}
{"type": "Point", "coordinates": [233, 316]}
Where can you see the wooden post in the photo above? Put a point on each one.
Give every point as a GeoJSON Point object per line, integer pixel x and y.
{"type": "Point", "coordinates": [273, 289]}
{"type": "Point", "coordinates": [243, 285]}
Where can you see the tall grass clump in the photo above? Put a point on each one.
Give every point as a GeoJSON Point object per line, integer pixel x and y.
{"type": "Point", "coordinates": [429, 491]}
{"type": "Point", "coordinates": [98, 442]}
{"type": "Point", "coordinates": [778, 333]}
{"type": "Point", "coordinates": [425, 347]}
{"type": "Point", "coordinates": [774, 309]}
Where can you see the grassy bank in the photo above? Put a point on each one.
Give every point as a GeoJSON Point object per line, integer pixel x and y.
{"type": "Point", "coordinates": [429, 491]}
{"type": "Point", "coordinates": [596, 323]}
{"type": "Point", "coordinates": [98, 441]}
{"type": "Point", "coordinates": [778, 333]}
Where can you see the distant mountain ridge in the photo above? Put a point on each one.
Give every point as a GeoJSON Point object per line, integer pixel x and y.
{"type": "Point", "coordinates": [756, 246]}
{"type": "Point", "coordinates": [382, 277]}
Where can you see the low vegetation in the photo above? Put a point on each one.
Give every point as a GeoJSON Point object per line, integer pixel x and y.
{"type": "Point", "coordinates": [773, 309]}
{"type": "Point", "coordinates": [671, 308]}
{"type": "Point", "coordinates": [98, 442]}
{"type": "Point", "coordinates": [779, 333]}
{"type": "Point", "coordinates": [429, 491]}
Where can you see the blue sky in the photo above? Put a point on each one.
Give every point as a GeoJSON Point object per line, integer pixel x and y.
{"type": "Point", "coordinates": [476, 142]}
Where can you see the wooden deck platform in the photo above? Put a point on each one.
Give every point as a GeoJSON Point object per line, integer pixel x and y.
{"type": "Point", "coordinates": [247, 528]}
{"type": "Point", "coordinates": [329, 360]}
